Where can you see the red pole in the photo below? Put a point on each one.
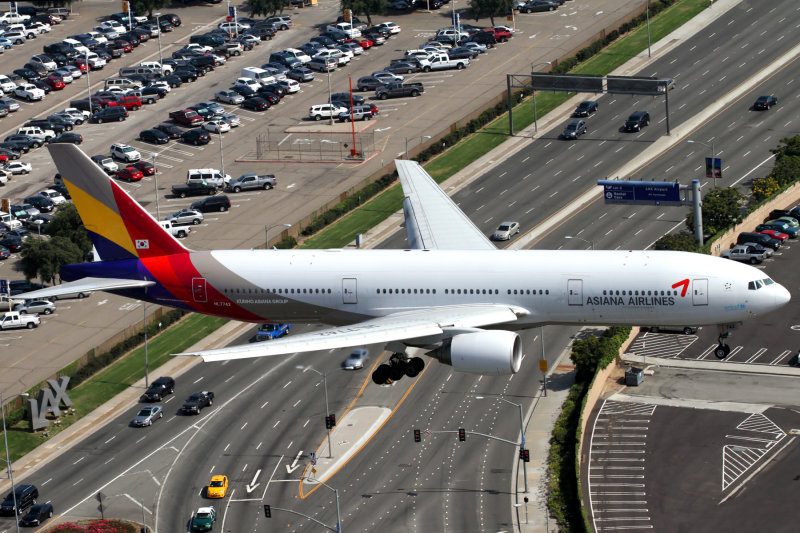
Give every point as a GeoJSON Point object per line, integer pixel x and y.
{"type": "Point", "coordinates": [353, 152]}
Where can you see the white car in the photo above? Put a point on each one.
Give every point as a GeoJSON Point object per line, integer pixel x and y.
{"type": "Point", "coordinates": [247, 82]}
{"type": "Point", "coordinates": [44, 61]}
{"type": "Point", "coordinates": [29, 92]}
{"type": "Point", "coordinates": [290, 86]}
{"type": "Point", "coordinates": [6, 84]}
{"type": "Point", "coordinates": [198, 47]}
{"type": "Point", "coordinates": [231, 27]}
{"type": "Point", "coordinates": [41, 27]}
{"type": "Point", "coordinates": [505, 231]}
{"type": "Point", "coordinates": [299, 54]}
{"type": "Point", "coordinates": [338, 55]}
{"type": "Point", "coordinates": [391, 26]}
{"type": "Point", "coordinates": [387, 77]}
{"type": "Point", "coordinates": [56, 197]}
{"type": "Point", "coordinates": [161, 84]}
{"type": "Point", "coordinates": [95, 61]}
{"type": "Point", "coordinates": [318, 112]}
{"type": "Point", "coordinates": [81, 115]}
{"type": "Point", "coordinates": [18, 167]}
{"type": "Point", "coordinates": [217, 126]}
{"type": "Point", "coordinates": [125, 152]}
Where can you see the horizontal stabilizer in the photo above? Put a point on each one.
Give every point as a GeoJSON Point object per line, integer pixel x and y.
{"type": "Point", "coordinates": [86, 285]}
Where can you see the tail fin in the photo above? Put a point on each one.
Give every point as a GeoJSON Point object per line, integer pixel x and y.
{"type": "Point", "coordinates": [119, 227]}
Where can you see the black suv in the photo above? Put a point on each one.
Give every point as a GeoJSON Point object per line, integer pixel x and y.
{"type": "Point", "coordinates": [212, 203]}
{"type": "Point", "coordinates": [158, 389]}
{"type": "Point", "coordinates": [111, 113]}
{"type": "Point", "coordinates": [197, 401]}
{"type": "Point", "coordinates": [637, 121]}
{"type": "Point", "coordinates": [25, 497]}
{"type": "Point", "coordinates": [759, 238]}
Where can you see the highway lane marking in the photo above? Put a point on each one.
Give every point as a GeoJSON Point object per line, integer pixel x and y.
{"type": "Point", "coordinates": [198, 380]}
{"type": "Point", "coordinates": [79, 460]}
{"type": "Point", "coordinates": [244, 426]}
{"type": "Point", "coordinates": [259, 445]}
{"type": "Point", "coordinates": [287, 383]}
{"type": "Point", "coordinates": [81, 479]}
{"type": "Point", "coordinates": [265, 404]}
{"type": "Point", "coordinates": [109, 440]}
{"type": "Point", "coordinates": [297, 402]}
{"type": "Point", "coordinates": [48, 481]}
{"type": "Point", "coordinates": [276, 424]}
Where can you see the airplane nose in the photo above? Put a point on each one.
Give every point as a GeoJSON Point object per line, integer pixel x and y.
{"type": "Point", "coordinates": [782, 296]}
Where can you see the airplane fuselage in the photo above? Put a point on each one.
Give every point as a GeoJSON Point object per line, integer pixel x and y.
{"type": "Point", "coordinates": [553, 287]}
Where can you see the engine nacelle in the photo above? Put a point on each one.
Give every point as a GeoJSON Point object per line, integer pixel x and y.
{"type": "Point", "coordinates": [490, 352]}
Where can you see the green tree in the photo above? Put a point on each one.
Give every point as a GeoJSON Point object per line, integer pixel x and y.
{"type": "Point", "coordinates": [490, 8]}
{"type": "Point", "coordinates": [365, 8]}
{"type": "Point", "coordinates": [722, 208]}
{"type": "Point", "coordinates": [266, 7]}
{"type": "Point", "coordinates": [43, 258]}
{"type": "Point", "coordinates": [149, 6]}
{"type": "Point", "coordinates": [67, 224]}
{"type": "Point", "coordinates": [682, 242]}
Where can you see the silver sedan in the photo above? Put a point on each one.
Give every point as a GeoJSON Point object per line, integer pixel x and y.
{"type": "Point", "coordinates": [148, 415]}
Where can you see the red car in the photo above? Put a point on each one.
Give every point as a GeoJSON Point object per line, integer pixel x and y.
{"type": "Point", "coordinates": [125, 45]}
{"type": "Point", "coordinates": [130, 174]}
{"type": "Point", "coordinates": [775, 234]}
{"type": "Point", "coordinates": [363, 42]}
{"type": "Point", "coordinates": [55, 82]}
{"type": "Point", "coordinates": [82, 65]}
{"type": "Point", "coordinates": [145, 167]}
{"type": "Point", "coordinates": [500, 34]}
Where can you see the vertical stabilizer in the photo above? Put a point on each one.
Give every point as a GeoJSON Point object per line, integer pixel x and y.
{"type": "Point", "coordinates": [119, 227]}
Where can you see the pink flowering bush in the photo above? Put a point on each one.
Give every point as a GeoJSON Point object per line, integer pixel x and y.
{"type": "Point", "coordinates": [97, 526]}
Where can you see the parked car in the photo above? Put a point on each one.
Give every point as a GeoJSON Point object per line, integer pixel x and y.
{"type": "Point", "coordinates": [125, 152]}
{"type": "Point", "coordinates": [219, 202]}
{"type": "Point", "coordinates": [68, 137]}
{"type": "Point", "coordinates": [130, 174]}
{"type": "Point", "coordinates": [33, 307]}
{"type": "Point", "coordinates": [185, 217]}
{"type": "Point", "coordinates": [229, 97]}
{"type": "Point", "coordinates": [154, 136]}
{"type": "Point", "coordinates": [196, 137]}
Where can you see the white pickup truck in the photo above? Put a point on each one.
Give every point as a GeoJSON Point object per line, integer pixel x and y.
{"type": "Point", "coordinates": [15, 319]}
{"type": "Point", "coordinates": [744, 253]}
{"type": "Point", "coordinates": [178, 232]}
{"type": "Point", "coordinates": [442, 62]}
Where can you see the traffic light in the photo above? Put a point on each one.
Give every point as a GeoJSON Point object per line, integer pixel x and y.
{"type": "Point", "coordinates": [333, 420]}
{"type": "Point", "coordinates": [328, 423]}
{"type": "Point", "coordinates": [267, 511]}
{"type": "Point", "coordinates": [417, 436]}
{"type": "Point", "coordinates": [462, 434]}
{"type": "Point", "coordinates": [525, 455]}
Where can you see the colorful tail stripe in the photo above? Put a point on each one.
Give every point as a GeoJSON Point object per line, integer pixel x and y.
{"type": "Point", "coordinates": [118, 226]}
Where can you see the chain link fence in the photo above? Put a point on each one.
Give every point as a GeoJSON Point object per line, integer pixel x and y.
{"type": "Point", "coordinates": [314, 147]}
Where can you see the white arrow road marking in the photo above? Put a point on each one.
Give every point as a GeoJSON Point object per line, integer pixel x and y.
{"type": "Point", "coordinates": [102, 302]}
{"type": "Point", "coordinates": [291, 186]}
{"type": "Point", "coordinates": [252, 486]}
{"type": "Point", "coordinates": [383, 129]}
{"type": "Point", "coordinates": [295, 466]}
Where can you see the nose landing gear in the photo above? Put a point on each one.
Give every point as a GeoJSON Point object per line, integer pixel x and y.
{"type": "Point", "coordinates": [399, 365]}
{"type": "Point", "coordinates": [722, 350]}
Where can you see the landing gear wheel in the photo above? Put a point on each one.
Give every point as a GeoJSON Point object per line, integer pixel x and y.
{"type": "Point", "coordinates": [381, 375]}
{"type": "Point", "coordinates": [397, 370]}
{"type": "Point", "coordinates": [722, 351]}
{"type": "Point", "coordinates": [414, 367]}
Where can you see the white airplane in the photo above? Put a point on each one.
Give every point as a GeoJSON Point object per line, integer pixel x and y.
{"type": "Point", "coordinates": [453, 292]}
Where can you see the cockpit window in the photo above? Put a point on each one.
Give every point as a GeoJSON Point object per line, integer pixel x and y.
{"type": "Point", "coordinates": [751, 286]}
{"type": "Point", "coordinates": [758, 284]}
{"type": "Point", "coordinates": [767, 281]}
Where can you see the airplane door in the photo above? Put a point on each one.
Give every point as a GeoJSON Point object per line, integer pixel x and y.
{"type": "Point", "coordinates": [199, 289]}
{"type": "Point", "coordinates": [349, 291]}
{"type": "Point", "coordinates": [575, 290]}
{"type": "Point", "coordinates": [699, 292]}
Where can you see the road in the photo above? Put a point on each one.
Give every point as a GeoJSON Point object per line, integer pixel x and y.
{"type": "Point", "coordinates": [382, 485]}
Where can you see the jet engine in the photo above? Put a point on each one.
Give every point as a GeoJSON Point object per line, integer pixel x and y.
{"type": "Point", "coordinates": [491, 352]}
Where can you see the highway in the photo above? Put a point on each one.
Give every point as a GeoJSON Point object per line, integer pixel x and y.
{"type": "Point", "coordinates": [439, 484]}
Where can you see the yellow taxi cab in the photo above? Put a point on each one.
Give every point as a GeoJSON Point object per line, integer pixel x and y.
{"type": "Point", "coordinates": [217, 487]}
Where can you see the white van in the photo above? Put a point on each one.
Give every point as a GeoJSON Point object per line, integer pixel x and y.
{"type": "Point", "coordinates": [299, 54]}
{"type": "Point", "coordinates": [9, 221]}
{"type": "Point", "coordinates": [212, 176]}
{"type": "Point", "coordinates": [346, 28]}
{"type": "Point", "coordinates": [259, 74]}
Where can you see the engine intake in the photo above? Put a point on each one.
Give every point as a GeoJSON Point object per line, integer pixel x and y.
{"type": "Point", "coordinates": [492, 352]}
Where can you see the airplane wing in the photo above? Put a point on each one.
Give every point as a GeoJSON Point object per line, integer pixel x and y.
{"type": "Point", "coordinates": [395, 327]}
{"type": "Point", "coordinates": [433, 220]}
{"type": "Point", "coordinates": [85, 285]}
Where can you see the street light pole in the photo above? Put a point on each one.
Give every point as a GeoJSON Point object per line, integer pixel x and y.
{"type": "Point", "coordinates": [267, 228]}
{"type": "Point", "coordinates": [146, 360]}
{"type": "Point", "coordinates": [88, 82]}
{"type": "Point", "coordinates": [327, 410]}
{"type": "Point", "coordinates": [521, 434]}
{"type": "Point", "coordinates": [533, 92]}
{"type": "Point", "coordinates": [160, 58]}
{"type": "Point", "coordinates": [591, 243]}
{"type": "Point", "coordinates": [8, 459]}
{"type": "Point", "coordinates": [221, 160]}
{"type": "Point", "coordinates": [155, 181]}
{"type": "Point", "coordinates": [338, 514]}
{"type": "Point", "coordinates": [330, 123]}
{"type": "Point", "coordinates": [647, 11]}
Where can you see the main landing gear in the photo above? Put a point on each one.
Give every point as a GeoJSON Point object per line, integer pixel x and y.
{"type": "Point", "coordinates": [399, 365]}
{"type": "Point", "coordinates": [722, 350]}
